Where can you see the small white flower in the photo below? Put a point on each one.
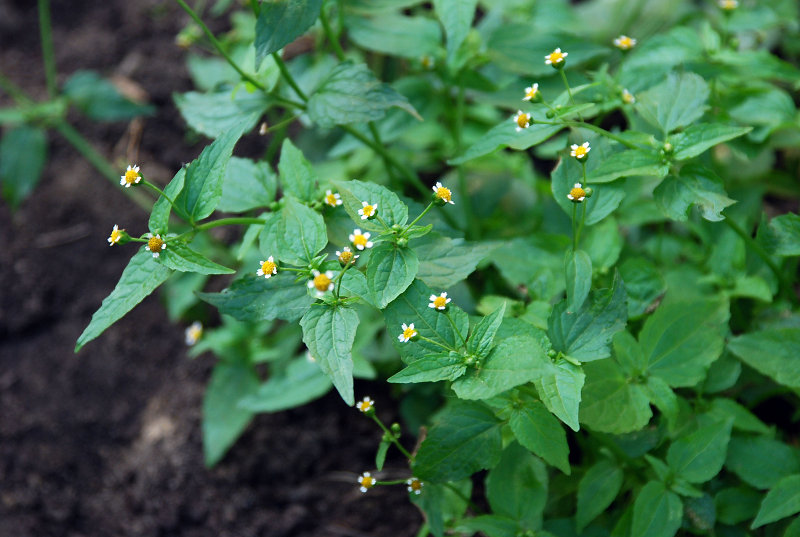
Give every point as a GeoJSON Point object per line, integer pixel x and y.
{"type": "Point", "coordinates": [366, 405]}
{"type": "Point", "coordinates": [531, 92]}
{"type": "Point", "coordinates": [408, 333]}
{"type": "Point", "coordinates": [346, 256]}
{"type": "Point", "coordinates": [360, 240]}
{"type": "Point", "coordinates": [155, 244]}
{"type": "Point", "coordinates": [368, 210]}
{"type": "Point", "coordinates": [267, 268]}
{"type": "Point", "coordinates": [415, 485]}
{"type": "Point", "coordinates": [366, 481]}
{"type": "Point", "coordinates": [322, 282]}
{"type": "Point", "coordinates": [131, 177]}
{"type": "Point", "coordinates": [728, 5]}
{"type": "Point", "coordinates": [577, 194]}
{"type": "Point", "coordinates": [555, 58]}
{"type": "Point", "coordinates": [580, 151]}
{"type": "Point", "coordinates": [627, 97]}
{"type": "Point", "coordinates": [624, 42]}
{"type": "Point", "coordinates": [116, 235]}
{"type": "Point", "coordinates": [443, 193]}
{"type": "Point", "coordinates": [439, 302]}
{"type": "Point", "coordinates": [522, 119]}
{"type": "Point", "coordinates": [193, 333]}
{"type": "Point", "coordinates": [332, 198]}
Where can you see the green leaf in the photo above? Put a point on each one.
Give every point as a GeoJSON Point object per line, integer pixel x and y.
{"type": "Point", "coordinates": [465, 438]}
{"type": "Point", "coordinates": [514, 361]}
{"type": "Point", "coordinates": [140, 278]}
{"type": "Point", "coordinates": [354, 284]}
{"type": "Point", "coordinates": [603, 202]}
{"type": "Point", "coordinates": [390, 208]}
{"type": "Point", "coordinates": [23, 154]}
{"type": "Point", "coordinates": [737, 504]}
{"type": "Point", "coordinates": [578, 273]}
{"type": "Point", "coordinates": [743, 420]}
{"type": "Point", "coordinates": [504, 135]}
{"type": "Point", "coordinates": [629, 355]}
{"type": "Point", "coordinates": [390, 271]}
{"type": "Point", "coordinates": [773, 352]}
{"type": "Point", "coordinates": [781, 501]}
{"type": "Point", "coordinates": [782, 235]}
{"type": "Point", "coordinates": [300, 383]}
{"type": "Point", "coordinates": [301, 233]}
{"type": "Point", "coordinates": [657, 512]}
{"type": "Point", "coordinates": [456, 18]}
{"type": "Point", "coordinates": [611, 402]}
{"type": "Point", "coordinates": [98, 99]}
{"type": "Point", "coordinates": [298, 177]}
{"type": "Point", "coordinates": [280, 23]}
{"type": "Point", "coordinates": [432, 368]}
{"type": "Point", "coordinates": [178, 256]}
{"type": "Point", "coordinates": [481, 338]}
{"type": "Point", "coordinates": [559, 388]}
{"type": "Point", "coordinates": [681, 339]}
{"type": "Point", "coordinates": [444, 261]}
{"type": "Point", "coordinates": [697, 138]}
{"type": "Point", "coordinates": [677, 102]}
{"type": "Point", "coordinates": [629, 162]}
{"type": "Point", "coordinates": [699, 456]}
{"type": "Point", "coordinates": [662, 396]}
{"type": "Point", "coordinates": [329, 331]}
{"type": "Point", "coordinates": [696, 185]}
{"type": "Point", "coordinates": [215, 113]}
{"type": "Point", "coordinates": [352, 94]}
{"type": "Point", "coordinates": [517, 487]}
{"type": "Point", "coordinates": [262, 299]}
{"type": "Point", "coordinates": [398, 35]}
{"type": "Point", "coordinates": [223, 419]}
{"type": "Point", "coordinates": [535, 262]}
{"type": "Point", "coordinates": [491, 525]}
{"type": "Point", "coordinates": [204, 176]}
{"type": "Point", "coordinates": [597, 489]}
{"type": "Point", "coordinates": [539, 431]}
{"type": "Point", "coordinates": [380, 455]}
{"type": "Point", "coordinates": [248, 185]}
{"type": "Point", "coordinates": [761, 462]}
{"type": "Point", "coordinates": [585, 334]}
{"type": "Point", "coordinates": [643, 285]}
{"type": "Point", "coordinates": [159, 217]}
{"type": "Point", "coordinates": [441, 503]}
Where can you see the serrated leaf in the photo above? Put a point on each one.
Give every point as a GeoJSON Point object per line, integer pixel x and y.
{"type": "Point", "coordinates": [432, 368]}
{"type": "Point", "coordinates": [629, 162]}
{"type": "Point", "coordinates": [611, 403]}
{"type": "Point", "coordinates": [178, 256]}
{"type": "Point", "coordinates": [696, 185]}
{"type": "Point", "coordinates": [782, 235]}
{"type": "Point", "coordinates": [535, 262]}
{"type": "Point", "coordinates": [223, 419]}
{"type": "Point", "coordinates": [559, 388]}
{"type": "Point", "coordinates": [298, 177]}
{"type": "Point", "coordinates": [300, 383]}
{"type": "Point", "coordinates": [444, 261]}
{"type": "Point", "coordinates": [657, 512]}
{"type": "Point", "coordinates": [643, 284]}
{"type": "Point", "coordinates": [248, 185]}
{"type": "Point", "coordinates": [398, 35]}
{"type": "Point", "coordinates": [603, 202]}
{"type": "Point", "coordinates": [697, 138]}
{"type": "Point", "coordinates": [517, 487]}
{"type": "Point", "coordinates": [481, 338]}
{"type": "Point", "coordinates": [781, 501]}
{"type": "Point", "coordinates": [301, 233]}
{"type": "Point", "coordinates": [596, 490]}
{"type": "Point", "coordinates": [261, 299]}
{"type": "Point", "coordinates": [773, 352]}
{"type": "Point", "coordinates": [23, 154]}
{"type": "Point", "coordinates": [352, 94]}
{"type": "Point", "coordinates": [280, 23]}
{"type": "Point", "coordinates": [140, 278]}
{"type": "Point", "coordinates": [578, 274]}
{"type": "Point", "coordinates": [214, 113]}
{"type": "Point", "coordinates": [390, 271]}
{"type": "Point", "coordinates": [677, 102]}
{"type": "Point", "coordinates": [465, 438]}
{"type": "Point", "coordinates": [699, 456]}
{"type": "Point", "coordinates": [329, 333]}
{"type": "Point", "coordinates": [539, 431]}
{"type": "Point", "coordinates": [456, 18]}
{"type": "Point", "coordinates": [159, 217]}
{"type": "Point", "coordinates": [681, 339]}
{"type": "Point", "coordinates": [391, 210]}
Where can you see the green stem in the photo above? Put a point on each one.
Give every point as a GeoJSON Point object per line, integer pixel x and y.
{"type": "Point", "coordinates": [338, 280]}
{"type": "Point", "coordinates": [281, 124]}
{"type": "Point", "coordinates": [48, 53]}
{"type": "Point", "coordinates": [466, 202]}
{"type": "Point", "coordinates": [574, 230]}
{"type": "Point", "coordinates": [580, 224]}
{"type": "Point", "coordinates": [417, 219]}
{"type": "Point", "coordinates": [379, 219]}
{"type": "Point", "coordinates": [599, 130]}
{"type": "Point", "coordinates": [455, 328]}
{"type": "Point", "coordinates": [442, 345]}
{"type": "Point", "coordinates": [786, 283]}
{"type": "Point", "coordinates": [288, 76]}
{"type": "Point", "coordinates": [219, 47]}
{"type": "Point", "coordinates": [230, 222]}
{"type": "Point", "coordinates": [566, 84]}
{"type": "Point", "coordinates": [388, 165]}
{"type": "Point", "coordinates": [13, 90]}
{"type": "Point", "coordinates": [395, 482]}
{"type": "Point", "coordinates": [326, 26]}
{"type": "Point", "coordinates": [390, 435]}
{"type": "Point", "coordinates": [158, 191]}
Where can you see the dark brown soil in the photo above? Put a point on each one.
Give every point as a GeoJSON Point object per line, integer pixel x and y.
{"type": "Point", "coordinates": [107, 442]}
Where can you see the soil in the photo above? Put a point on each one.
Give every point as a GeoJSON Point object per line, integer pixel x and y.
{"type": "Point", "coordinates": [108, 441]}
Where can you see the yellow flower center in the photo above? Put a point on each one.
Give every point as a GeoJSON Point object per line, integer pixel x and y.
{"type": "Point", "coordinates": [346, 256]}
{"type": "Point", "coordinates": [155, 244]}
{"type": "Point", "coordinates": [439, 302]}
{"type": "Point", "coordinates": [131, 176]}
{"type": "Point", "coordinates": [415, 485]}
{"type": "Point", "coordinates": [522, 122]}
{"type": "Point", "coordinates": [444, 193]}
{"type": "Point", "coordinates": [580, 152]}
{"type": "Point", "coordinates": [322, 282]}
{"type": "Point", "coordinates": [369, 210]}
{"type": "Point", "coordinates": [116, 235]}
{"type": "Point", "coordinates": [531, 93]}
{"type": "Point", "coordinates": [625, 42]}
{"type": "Point", "coordinates": [330, 199]}
{"type": "Point", "coordinates": [267, 267]}
{"type": "Point", "coordinates": [556, 57]}
{"type": "Point", "coordinates": [408, 333]}
{"type": "Point", "coordinates": [363, 406]}
{"type": "Point", "coordinates": [577, 193]}
{"type": "Point", "coordinates": [360, 240]}
{"type": "Point", "coordinates": [367, 481]}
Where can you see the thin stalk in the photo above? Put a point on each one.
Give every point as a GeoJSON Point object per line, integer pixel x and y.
{"type": "Point", "coordinates": [48, 53]}
{"type": "Point", "coordinates": [466, 202]}
{"type": "Point", "coordinates": [218, 46]}
{"type": "Point", "coordinates": [599, 130]}
{"type": "Point", "coordinates": [417, 219]}
{"type": "Point", "coordinates": [455, 329]}
{"type": "Point", "coordinates": [230, 222]}
{"type": "Point", "coordinates": [574, 230]}
{"type": "Point", "coordinates": [580, 224]}
{"type": "Point", "coordinates": [338, 280]}
{"type": "Point", "coordinates": [288, 76]}
{"type": "Point", "coordinates": [326, 26]}
{"type": "Point", "coordinates": [566, 84]}
{"type": "Point", "coordinates": [158, 191]}
{"type": "Point", "coordinates": [442, 345]}
{"type": "Point", "coordinates": [13, 90]}
{"type": "Point", "coordinates": [388, 165]}
{"type": "Point", "coordinates": [392, 437]}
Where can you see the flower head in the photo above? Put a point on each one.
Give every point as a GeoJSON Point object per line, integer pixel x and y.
{"type": "Point", "coordinates": [346, 256]}
{"type": "Point", "coordinates": [366, 481]}
{"type": "Point", "coordinates": [408, 333]}
{"type": "Point", "coordinates": [531, 93]}
{"type": "Point", "coordinates": [366, 405]}
{"type": "Point", "coordinates": [116, 235]}
{"type": "Point", "coordinates": [580, 152]}
{"type": "Point", "coordinates": [322, 282]}
{"type": "Point", "coordinates": [577, 194]}
{"type": "Point", "coordinates": [131, 177]}
{"type": "Point", "coordinates": [624, 42]}
{"type": "Point", "coordinates": [627, 97]}
{"type": "Point", "coordinates": [155, 244]}
{"type": "Point", "coordinates": [556, 58]}
{"type": "Point", "coordinates": [415, 485]}
{"type": "Point", "coordinates": [360, 240]}
{"type": "Point", "coordinates": [332, 198]}
{"type": "Point", "coordinates": [728, 5]}
{"type": "Point", "coordinates": [439, 302]}
{"type": "Point", "coordinates": [267, 268]}
{"type": "Point", "coordinates": [193, 333]}
{"type": "Point", "coordinates": [522, 119]}
{"type": "Point", "coordinates": [368, 210]}
{"type": "Point", "coordinates": [428, 62]}
{"type": "Point", "coordinates": [442, 194]}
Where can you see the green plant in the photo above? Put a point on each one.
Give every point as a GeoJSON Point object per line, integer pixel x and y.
{"type": "Point", "coordinates": [614, 334]}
